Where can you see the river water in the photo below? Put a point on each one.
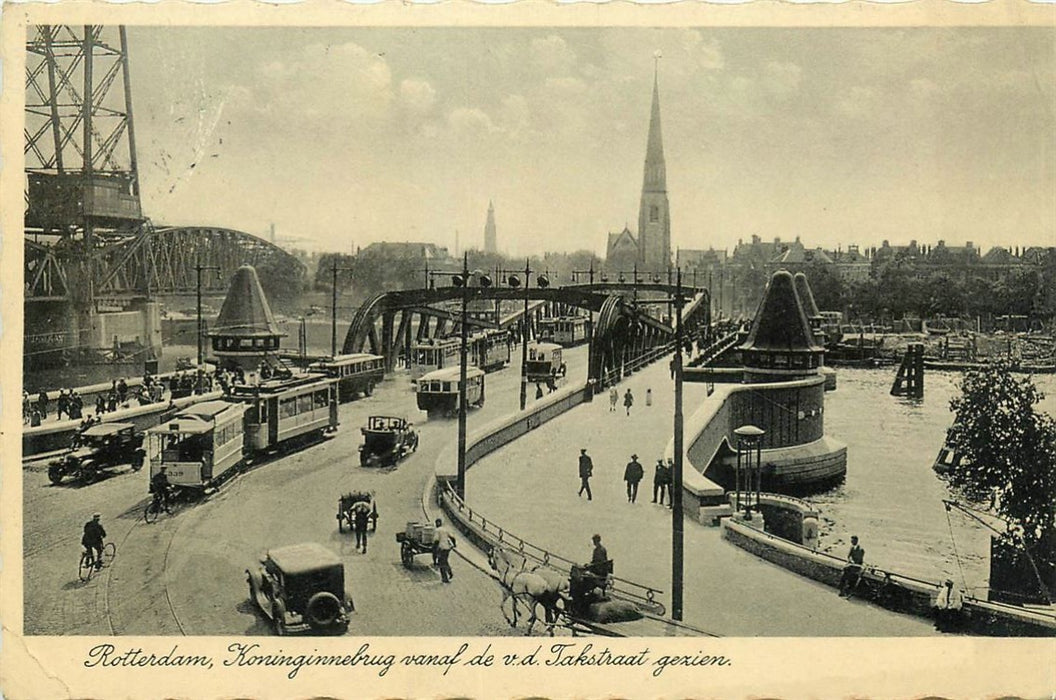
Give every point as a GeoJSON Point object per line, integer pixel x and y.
{"type": "Point", "coordinates": [891, 498]}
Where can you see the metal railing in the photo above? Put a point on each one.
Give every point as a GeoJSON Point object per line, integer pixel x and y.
{"type": "Point", "coordinates": [496, 535]}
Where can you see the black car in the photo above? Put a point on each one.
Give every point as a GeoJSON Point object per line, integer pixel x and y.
{"type": "Point", "coordinates": [386, 440]}
{"type": "Point", "coordinates": [301, 588]}
{"type": "Point", "coordinates": [98, 447]}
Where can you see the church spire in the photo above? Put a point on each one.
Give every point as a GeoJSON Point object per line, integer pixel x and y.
{"type": "Point", "coordinates": [655, 169]}
{"type": "Point", "coordinates": [491, 243]}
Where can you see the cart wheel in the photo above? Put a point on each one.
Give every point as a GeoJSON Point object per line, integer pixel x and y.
{"type": "Point", "coordinates": [406, 555]}
{"type": "Point", "coordinates": [368, 390]}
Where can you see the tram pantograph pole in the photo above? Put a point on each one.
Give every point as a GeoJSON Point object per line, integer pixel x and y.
{"type": "Point", "coordinates": [524, 338]}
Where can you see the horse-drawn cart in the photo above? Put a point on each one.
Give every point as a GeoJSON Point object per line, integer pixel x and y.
{"type": "Point", "coordinates": [349, 503]}
{"type": "Point", "coordinates": [418, 538]}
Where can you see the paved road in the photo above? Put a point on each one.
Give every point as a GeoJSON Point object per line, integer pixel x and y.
{"type": "Point", "coordinates": [185, 574]}
{"type": "Point", "coordinates": [727, 590]}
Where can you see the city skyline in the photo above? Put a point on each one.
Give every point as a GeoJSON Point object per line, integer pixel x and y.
{"type": "Point", "coordinates": [839, 136]}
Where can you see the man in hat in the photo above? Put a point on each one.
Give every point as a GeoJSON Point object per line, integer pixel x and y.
{"type": "Point", "coordinates": [852, 572]}
{"type": "Point", "coordinates": [586, 470]}
{"type": "Point", "coordinates": [632, 475]}
{"type": "Point", "coordinates": [660, 479]}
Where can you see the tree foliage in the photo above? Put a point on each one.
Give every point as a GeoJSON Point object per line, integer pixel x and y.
{"type": "Point", "coordinates": [1008, 449]}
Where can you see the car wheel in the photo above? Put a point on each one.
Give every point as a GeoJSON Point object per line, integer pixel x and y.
{"type": "Point", "coordinates": [55, 474]}
{"type": "Point", "coordinates": [323, 610]}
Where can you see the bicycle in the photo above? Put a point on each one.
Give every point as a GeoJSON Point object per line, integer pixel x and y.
{"type": "Point", "coordinates": [155, 508]}
{"type": "Point", "coordinates": [86, 568]}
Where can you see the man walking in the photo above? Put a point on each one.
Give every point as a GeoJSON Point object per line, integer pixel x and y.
{"type": "Point", "coordinates": [659, 481]}
{"type": "Point", "coordinates": [360, 520]}
{"type": "Point", "coordinates": [628, 400]}
{"type": "Point", "coordinates": [445, 542]}
{"type": "Point", "coordinates": [586, 470]}
{"type": "Point", "coordinates": [614, 398]}
{"type": "Point", "coordinates": [632, 475]}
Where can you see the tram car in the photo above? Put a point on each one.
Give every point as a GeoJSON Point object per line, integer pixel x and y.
{"type": "Point", "coordinates": [564, 330]}
{"type": "Point", "coordinates": [356, 374]}
{"type": "Point", "coordinates": [490, 350]}
{"type": "Point", "coordinates": [433, 354]}
{"type": "Point", "coordinates": [544, 362]}
{"type": "Point", "coordinates": [438, 391]}
{"type": "Point", "coordinates": [206, 442]}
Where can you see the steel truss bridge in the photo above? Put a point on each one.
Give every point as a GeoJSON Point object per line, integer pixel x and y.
{"type": "Point", "coordinates": [147, 263]}
{"type": "Point", "coordinates": [625, 331]}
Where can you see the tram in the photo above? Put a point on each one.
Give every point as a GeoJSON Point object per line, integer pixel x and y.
{"type": "Point", "coordinates": [438, 391]}
{"type": "Point", "coordinates": [433, 354]}
{"type": "Point", "coordinates": [544, 362]}
{"type": "Point", "coordinates": [490, 350]}
{"type": "Point", "coordinates": [206, 442]}
{"type": "Point", "coordinates": [564, 330]}
{"type": "Point", "coordinates": [356, 374]}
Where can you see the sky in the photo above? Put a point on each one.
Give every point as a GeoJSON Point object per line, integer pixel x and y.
{"type": "Point", "coordinates": [343, 137]}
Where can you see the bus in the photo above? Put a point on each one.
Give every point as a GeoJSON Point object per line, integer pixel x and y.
{"type": "Point", "coordinates": [490, 350]}
{"type": "Point", "coordinates": [432, 354]}
{"type": "Point", "coordinates": [544, 362]}
{"type": "Point", "coordinates": [564, 330]}
{"type": "Point", "coordinates": [201, 445]}
{"type": "Point", "coordinates": [438, 391]}
{"type": "Point", "coordinates": [356, 374]}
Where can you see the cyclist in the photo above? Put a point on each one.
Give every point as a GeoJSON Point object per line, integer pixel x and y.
{"type": "Point", "coordinates": [92, 539]}
{"type": "Point", "coordinates": [160, 487]}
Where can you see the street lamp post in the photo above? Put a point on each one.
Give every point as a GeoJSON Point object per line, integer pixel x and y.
{"type": "Point", "coordinates": [198, 269]}
{"type": "Point", "coordinates": [677, 550]}
{"type": "Point", "coordinates": [524, 336]}
{"type": "Point", "coordinates": [463, 280]}
{"type": "Point", "coordinates": [333, 305]}
{"type": "Point", "coordinates": [749, 439]}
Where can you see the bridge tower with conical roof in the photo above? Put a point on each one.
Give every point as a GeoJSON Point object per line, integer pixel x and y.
{"type": "Point", "coordinates": [246, 333]}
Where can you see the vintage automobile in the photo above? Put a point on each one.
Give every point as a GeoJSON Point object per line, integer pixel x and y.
{"type": "Point", "coordinates": [301, 588]}
{"type": "Point", "coordinates": [386, 440]}
{"type": "Point", "coordinates": [99, 447]}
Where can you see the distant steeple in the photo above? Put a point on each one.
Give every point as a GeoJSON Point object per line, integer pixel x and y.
{"type": "Point", "coordinates": [490, 239]}
{"type": "Point", "coordinates": [654, 221]}
{"type": "Point", "coordinates": [655, 179]}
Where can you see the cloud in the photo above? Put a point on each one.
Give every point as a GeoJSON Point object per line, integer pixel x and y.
{"type": "Point", "coordinates": [514, 115]}
{"type": "Point", "coordinates": [553, 55]}
{"type": "Point", "coordinates": [706, 53]}
{"type": "Point", "coordinates": [859, 101]}
{"type": "Point", "coordinates": [782, 79]}
{"type": "Point", "coordinates": [417, 95]}
{"type": "Point", "coordinates": [470, 121]}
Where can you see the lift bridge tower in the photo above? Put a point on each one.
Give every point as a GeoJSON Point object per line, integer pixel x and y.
{"type": "Point", "coordinates": [82, 200]}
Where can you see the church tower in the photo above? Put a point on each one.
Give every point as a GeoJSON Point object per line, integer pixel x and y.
{"type": "Point", "coordinates": [491, 245]}
{"type": "Point", "coordinates": [654, 223]}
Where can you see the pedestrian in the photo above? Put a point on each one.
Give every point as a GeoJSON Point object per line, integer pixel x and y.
{"type": "Point", "coordinates": [659, 481]}
{"type": "Point", "coordinates": [62, 405]}
{"type": "Point", "coordinates": [111, 402]}
{"type": "Point", "coordinates": [551, 385]}
{"type": "Point", "coordinates": [122, 390]}
{"type": "Point", "coordinates": [445, 542]}
{"type": "Point", "coordinates": [34, 417]}
{"type": "Point", "coordinates": [671, 366]}
{"type": "Point", "coordinates": [632, 474]}
{"type": "Point", "coordinates": [614, 398]}
{"type": "Point", "coordinates": [42, 404]}
{"type": "Point", "coordinates": [76, 405]}
{"type": "Point", "coordinates": [538, 390]}
{"type": "Point", "coordinates": [649, 397]}
{"type": "Point", "coordinates": [669, 475]}
{"type": "Point", "coordinates": [360, 521]}
{"type": "Point", "coordinates": [628, 401]}
{"type": "Point", "coordinates": [100, 405]}
{"type": "Point", "coordinates": [27, 407]}
{"type": "Point", "coordinates": [586, 470]}
{"type": "Point", "coordinates": [852, 572]}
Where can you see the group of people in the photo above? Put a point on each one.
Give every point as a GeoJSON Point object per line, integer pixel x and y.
{"type": "Point", "coordinates": [633, 474]}
{"type": "Point", "coordinates": [628, 399]}
{"type": "Point", "coordinates": [68, 404]}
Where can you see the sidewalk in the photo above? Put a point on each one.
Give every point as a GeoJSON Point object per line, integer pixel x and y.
{"type": "Point", "coordinates": [529, 487]}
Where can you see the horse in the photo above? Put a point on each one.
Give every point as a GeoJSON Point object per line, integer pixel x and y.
{"type": "Point", "coordinates": [530, 588]}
